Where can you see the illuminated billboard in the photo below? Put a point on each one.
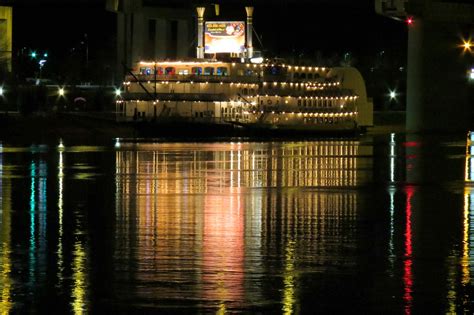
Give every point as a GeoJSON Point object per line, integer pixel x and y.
{"type": "Point", "coordinates": [224, 37]}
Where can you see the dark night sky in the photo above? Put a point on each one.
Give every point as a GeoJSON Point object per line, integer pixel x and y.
{"type": "Point", "coordinates": [286, 26]}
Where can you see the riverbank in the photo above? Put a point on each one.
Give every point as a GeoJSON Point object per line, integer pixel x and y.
{"type": "Point", "coordinates": [46, 127]}
{"type": "Point", "coordinates": [98, 126]}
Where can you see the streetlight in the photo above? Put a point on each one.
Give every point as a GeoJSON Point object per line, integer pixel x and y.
{"type": "Point", "coordinates": [1, 91]}
{"type": "Point", "coordinates": [393, 95]}
{"type": "Point", "coordinates": [41, 65]}
{"type": "Point", "coordinates": [118, 92]}
{"type": "Point", "coordinates": [467, 45]}
{"type": "Point", "coordinates": [61, 91]}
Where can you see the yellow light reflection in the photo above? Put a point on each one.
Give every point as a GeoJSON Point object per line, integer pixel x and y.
{"type": "Point", "coordinates": [289, 279]}
{"type": "Point", "coordinates": [468, 211]}
{"type": "Point", "coordinates": [222, 309]}
{"type": "Point", "coordinates": [466, 277]}
{"type": "Point", "coordinates": [318, 163]}
{"type": "Point", "coordinates": [79, 290]}
{"type": "Point", "coordinates": [168, 192]}
{"type": "Point", "coordinates": [5, 246]}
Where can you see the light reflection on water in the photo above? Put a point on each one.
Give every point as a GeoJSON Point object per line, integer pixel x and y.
{"type": "Point", "coordinates": [279, 227]}
{"type": "Point", "coordinates": [5, 242]}
{"type": "Point", "coordinates": [220, 203]}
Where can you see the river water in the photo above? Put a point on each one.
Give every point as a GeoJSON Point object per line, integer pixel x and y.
{"type": "Point", "coordinates": [378, 224]}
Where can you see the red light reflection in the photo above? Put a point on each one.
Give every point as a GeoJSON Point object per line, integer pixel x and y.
{"type": "Point", "coordinates": [408, 262]}
{"type": "Point", "coordinates": [411, 144]}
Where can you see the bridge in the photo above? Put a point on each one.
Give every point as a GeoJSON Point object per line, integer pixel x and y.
{"type": "Point", "coordinates": [439, 61]}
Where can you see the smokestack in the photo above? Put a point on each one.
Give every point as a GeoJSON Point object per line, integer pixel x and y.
{"type": "Point", "coordinates": [200, 32]}
{"type": "Point", "coordinates": [249, 11]}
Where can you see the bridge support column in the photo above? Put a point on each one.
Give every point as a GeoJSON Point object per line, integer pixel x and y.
{"type": "Point", "coordinates": [437, 84]}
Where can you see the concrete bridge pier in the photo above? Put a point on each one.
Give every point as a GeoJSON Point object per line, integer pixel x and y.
{"type": "Point", "coordinates": [437, 78]}
{"type": "Point", "coordinates": [437, 89]}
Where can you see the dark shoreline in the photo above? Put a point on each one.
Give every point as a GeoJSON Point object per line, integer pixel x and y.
{"type": "Point", "coordinates": [100, 127]}
{"type": "Point", "coordinates": [51, 127]}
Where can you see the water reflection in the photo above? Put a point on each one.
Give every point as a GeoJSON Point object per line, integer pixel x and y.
{"type": "Point", "coordinates": [223, 250]}
{"type": "Point", "coordinates": [5, 239]}
{"type": "Point", "coordinates": [239, 227]}
{"type": "Point", "coordinates": [70, 266]}
{"type": "Point", "coordinates": [60, 254]}
{"type": "Point", "coordinates": [32, 240]}
{"type": "Point", "coordinates": [209, 217]}
{"type": "Point", "coordinates": [213, 167]}
{"type": "Point", "coordinates": [408, 259]}
{"type": "Point", "coordinates": [79, 288]}
{"type": "Point", "coordinates": [289, 279]}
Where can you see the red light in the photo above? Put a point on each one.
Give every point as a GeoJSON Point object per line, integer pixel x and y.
{"type": "Point", "coordinates": [409, 21]}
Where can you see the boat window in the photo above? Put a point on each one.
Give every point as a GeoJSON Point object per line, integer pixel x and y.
{"type": "Point", "coordinates": [303, 76]}
{"type": "Point", "coordinates": [304, 103]}
{"type": "Point", "coordinates": [299, 102]}
{"type": "Point", "coordinates": [309, 76]}
{"type": "Point", "coordinates": [146, 71]}
{"type": "Point", "coordinates": [209, 71]}
{"type": "Point", "coordinates": [249, 72]}
{"type": "Point", "coordinates": [245, 91]}
{"type": "Point", "coordinates": [222, 71]}
{"type": "Point", "coordinates": [159, 71]}
{"type": "Point", "coordinates": [183, 71]}
{"type": "Point", "coordinates": [170, 70]}
{"type": "Point", "coordinates": [196, 70]}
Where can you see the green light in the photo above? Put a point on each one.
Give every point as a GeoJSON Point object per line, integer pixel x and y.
{"type": "Point", "coordinates": [33, 54]}
{"type": "Point", "coordinates": [45, 55]}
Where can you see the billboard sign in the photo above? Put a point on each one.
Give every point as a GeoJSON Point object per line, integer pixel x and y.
{"type": "Point", "coordinates": [224, 37]}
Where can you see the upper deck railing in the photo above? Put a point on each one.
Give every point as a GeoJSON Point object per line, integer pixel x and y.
{"type": "Point", "coordinates": [193, 78]}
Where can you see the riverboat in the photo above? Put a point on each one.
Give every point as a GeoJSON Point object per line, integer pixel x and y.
{"type": "Point", "coordinates": [238, 89]}
{"type": "Point", "coordinates": [267, 96]}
